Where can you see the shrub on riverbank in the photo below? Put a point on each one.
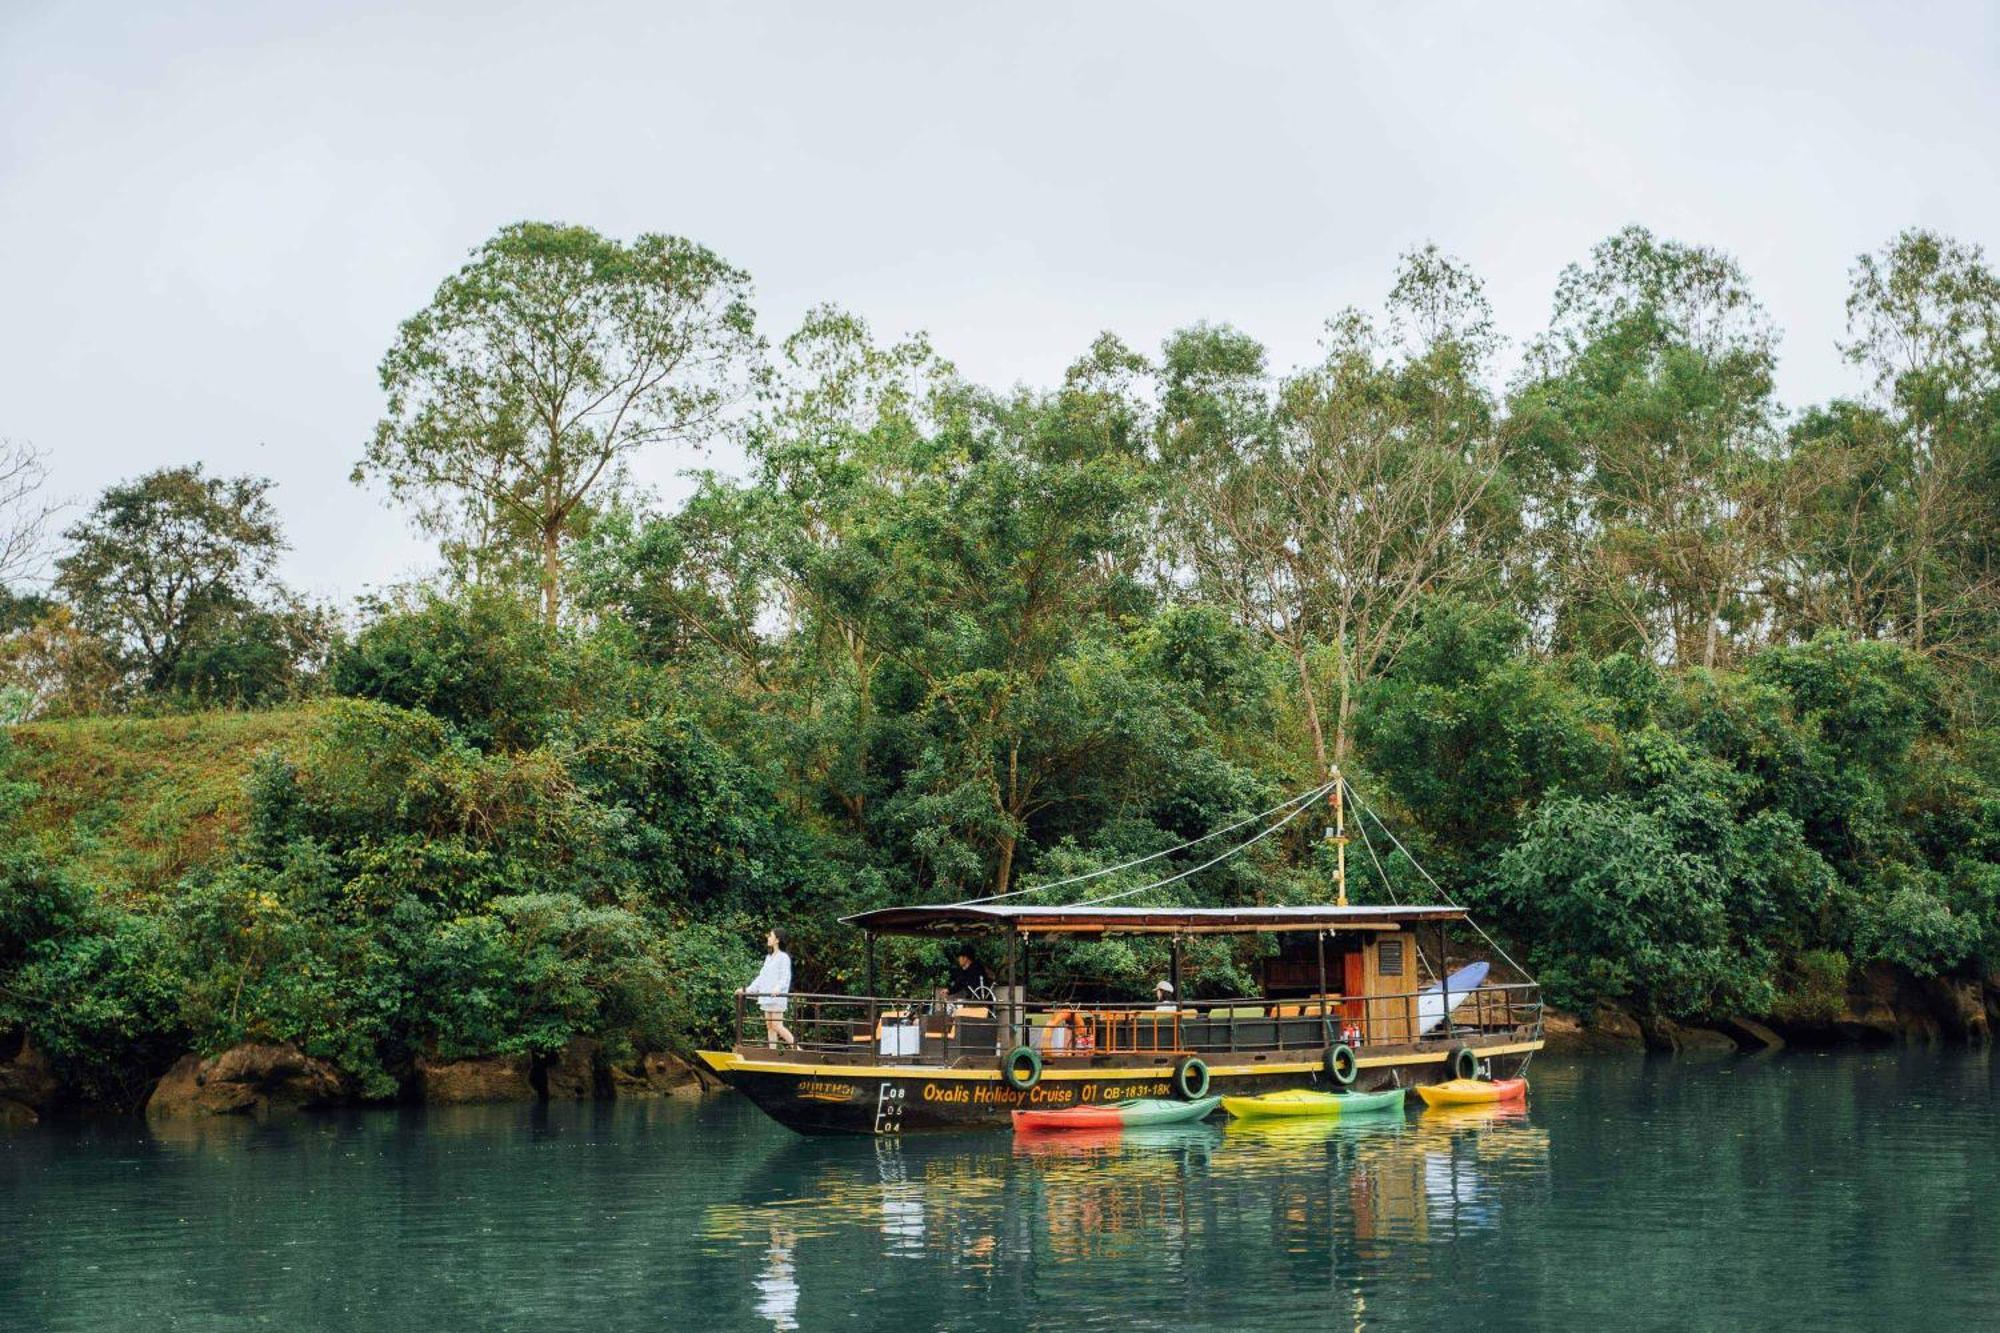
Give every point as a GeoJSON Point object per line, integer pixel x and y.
{"type": "Point", "coordinates": [387, 886]}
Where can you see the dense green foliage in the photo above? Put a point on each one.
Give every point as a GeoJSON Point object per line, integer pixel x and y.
{"type": "Point", "coordinates": [1691, 698]}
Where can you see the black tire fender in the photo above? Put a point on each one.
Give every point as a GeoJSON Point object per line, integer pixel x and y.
{"type": "Point", "coordinates": [1191, 1079]}
{"type": "Point", "coordinates": [1014, 1075]}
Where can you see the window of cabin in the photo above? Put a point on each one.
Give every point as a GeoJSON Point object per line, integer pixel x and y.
{"type": "Point", "coordinates": [1389, 958]}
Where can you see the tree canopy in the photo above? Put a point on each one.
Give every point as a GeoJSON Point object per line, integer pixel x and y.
{"type": "Point", "coordinates": [1689, 694]}
{"type": "Point", "coordinates": [538, 368]}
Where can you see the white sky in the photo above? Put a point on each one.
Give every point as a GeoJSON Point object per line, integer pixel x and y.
{"type": "Point", "coordinates": [214, 216]}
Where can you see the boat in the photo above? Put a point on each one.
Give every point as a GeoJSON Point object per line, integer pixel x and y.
{"type": "Point", "coordinates": [1473, 1091]}
{"type": "Point", "coordinates": [1435, 1001]}
{"type": "Point", "coordinates": [1354, 999]}
{"type": "Point", "coordinates": [1138, 1112]}
{"type": "Point", "coordinates": [1305, 1102]}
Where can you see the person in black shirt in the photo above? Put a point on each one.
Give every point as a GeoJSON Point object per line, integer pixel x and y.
{"type": "Point", "coordinates": [967, 976]}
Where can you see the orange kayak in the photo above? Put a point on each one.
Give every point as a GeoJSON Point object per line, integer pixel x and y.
{"type": "Point", "coordinates": [1472, 1091]}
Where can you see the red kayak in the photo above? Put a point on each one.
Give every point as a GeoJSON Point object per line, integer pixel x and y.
{"type": "Point", "coordinates": [1117, 1115]}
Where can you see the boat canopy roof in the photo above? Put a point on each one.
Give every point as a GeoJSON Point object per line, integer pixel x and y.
{"type": "Point", "coordinates": [1084, 919]}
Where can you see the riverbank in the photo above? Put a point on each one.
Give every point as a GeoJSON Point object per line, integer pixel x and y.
{"type": "Point", "coordinates": [1881, 1006]}
{"type": "Point", "coordinates": [261, 1079]}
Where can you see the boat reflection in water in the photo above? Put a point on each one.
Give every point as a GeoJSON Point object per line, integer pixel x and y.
{"type": "Point", "coordinates": [1328, 1197]}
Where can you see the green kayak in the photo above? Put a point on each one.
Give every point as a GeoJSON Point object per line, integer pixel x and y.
{"type": "Point", "coordinates": [1303, 1102]}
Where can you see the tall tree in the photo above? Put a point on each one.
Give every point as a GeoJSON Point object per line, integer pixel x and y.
{"type": "Point", "coordinates": [541, 366]}
{"type": "Point", "coordinates": [1923, 319]}
{"type": "Point", "coordinates": [1645, 431]}
{"type": "Point", "coordinates": [161, 561]}
{"type": "Point", "coordinates": [1322, 514]}
{"type": "Point", "coordinates": [24, 513]}
{"type": "Point", "coordinates": [1846, 555]}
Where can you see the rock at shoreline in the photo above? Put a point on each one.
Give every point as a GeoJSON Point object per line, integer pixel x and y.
{"type": "Point", "coordinates": [485, 1078]}
{"type": "Point", "coordinates": [657, 1074]}
{"type": "Point", "coordinates": [27, 1081]}
{"type": "Point", "coordinates": [1604, 1030]}
{"type": "Point", "coordinates": [570, 1075]}
{"type": "Point", "coordinates": [1752, 1035]}
{"type": "Point", "coordinates": [16, 1115]}
{"type": "Point", "coordinates": [251, 1079]}
{"type": "Point", "coordinates": [1884, 1004]}
{"type": "Point", "coordinates": [1960, 1006]}
{"type": "Point", "coordinates": [1663, 1034]}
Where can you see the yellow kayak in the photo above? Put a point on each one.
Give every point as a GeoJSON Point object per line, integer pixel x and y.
{"type": "Point", "coordinates": [1303, 1101]}
{"type": "Point", "coordinates": [1468, 1091]}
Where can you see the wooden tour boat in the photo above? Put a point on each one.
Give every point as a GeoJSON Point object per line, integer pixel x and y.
{"type": "Point", "coordinates": [1358, 998]}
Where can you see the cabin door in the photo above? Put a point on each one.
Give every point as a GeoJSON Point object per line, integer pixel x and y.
{"type": "Point", "coordinates": [1390, 962]}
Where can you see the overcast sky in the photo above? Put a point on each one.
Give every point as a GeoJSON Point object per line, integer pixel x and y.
{"type": "Point", "coordinates": [214, 216]}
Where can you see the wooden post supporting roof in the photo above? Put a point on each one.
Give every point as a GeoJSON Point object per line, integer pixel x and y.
{"type": "Point", "coordinates": [1326, 1025]}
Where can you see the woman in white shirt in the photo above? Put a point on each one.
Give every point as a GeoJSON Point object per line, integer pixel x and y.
{"type": "Point", "coordinates": [773, 989]}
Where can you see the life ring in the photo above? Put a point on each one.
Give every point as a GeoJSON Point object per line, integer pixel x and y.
{"type": "Point", "coordinates": [1341, 1065]}
{"type": "Point", "coordinates": [1191, 1079]}
{"type": "Point", "coordinates": [1081, 1026]}
{"type": "Point", "coordinates": [1464, 1063]}
{"type": "Point", "coordinates": [1012, 1074]}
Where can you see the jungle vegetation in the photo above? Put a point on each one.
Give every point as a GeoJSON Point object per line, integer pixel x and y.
{"type": "Point", "coordinates": [1688, 692]}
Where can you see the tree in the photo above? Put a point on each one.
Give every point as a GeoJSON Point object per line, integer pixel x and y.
{"type": "Point", "coordinates": [1847, 554]}
{"type": "Point", "coordinates": [540, 367]}
{"type": "Point", "coordinates": [24, 515]}
{"type": "Point", "coordinates": [163, 562]}
{"type": "Point", "coordinates": [973, 549]}
{"type": "Point", "coordinates": [1644, 432]}
{"type": "Point", "coordinates": [1924, 319]}
{"type": "Point", "coordinates": [1323, 514]}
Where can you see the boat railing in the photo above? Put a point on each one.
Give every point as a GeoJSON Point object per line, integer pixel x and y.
{"type": "Point", "coordinates": [941, 1030]}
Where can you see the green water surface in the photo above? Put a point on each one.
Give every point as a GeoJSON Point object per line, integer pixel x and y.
{"type": "Point", "coordinates": [1826, 1191]}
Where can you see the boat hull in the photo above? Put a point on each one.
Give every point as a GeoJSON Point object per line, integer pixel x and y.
{"type": "Point", "coordinates": [862, 1098]}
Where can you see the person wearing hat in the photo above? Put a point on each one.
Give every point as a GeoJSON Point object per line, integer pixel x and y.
{"type": "Point", "coordinates": [1163, 996]}
{"type": "Point", "coordinates": [968, 978]}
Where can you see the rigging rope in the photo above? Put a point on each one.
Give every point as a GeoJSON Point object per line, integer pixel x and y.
{"type": "Point", "coordinates": [1301, 804]}
{"type": "Point", "coordinates": [1307, 797]}
{"type": "Point", "coordinates": [1390, 834]}
{"type": "Point", "coordinates": [1246, 843]}
{"type": "Point", "coordinates": [1423, 958]}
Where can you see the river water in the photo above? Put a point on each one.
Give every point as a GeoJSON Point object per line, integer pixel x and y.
{"type": "Point", "coordinates": [1845, 1191]}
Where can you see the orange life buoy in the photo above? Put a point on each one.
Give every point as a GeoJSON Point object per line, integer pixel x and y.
{"type": "Point", "coordinates": [1082, 1029]}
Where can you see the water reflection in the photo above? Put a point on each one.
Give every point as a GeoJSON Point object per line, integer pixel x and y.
{"type": "Point", "coordinates": [778, 1284]}
{"type": "Point", "coordinates": [1776, 1182]}
{"type": "Point", "coordinates": [1159, 1201]}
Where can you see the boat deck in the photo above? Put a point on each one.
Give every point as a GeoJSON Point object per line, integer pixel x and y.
{"type": "Point", "coordinates": [961, 1034]}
